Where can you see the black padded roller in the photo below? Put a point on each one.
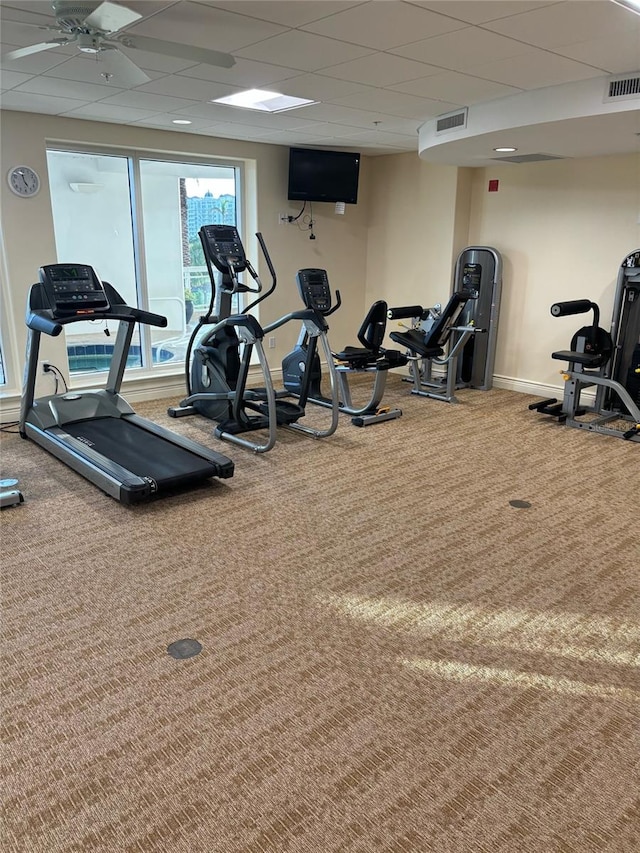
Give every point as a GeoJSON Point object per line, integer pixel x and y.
{"type": "Point", "coordinates": [405, 312]}
{"type": "Point", "coordinates": [575, 306]}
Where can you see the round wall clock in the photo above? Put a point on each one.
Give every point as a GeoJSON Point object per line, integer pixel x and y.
{"type": "Point", "coordinates": [24, 181]}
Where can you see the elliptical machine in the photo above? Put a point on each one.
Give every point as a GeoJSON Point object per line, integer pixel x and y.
{"type": "Point", "coordinates": [217, 369]}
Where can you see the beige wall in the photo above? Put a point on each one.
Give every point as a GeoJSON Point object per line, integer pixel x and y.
{"type": "Point", "coordinates": [413, 222]}
{"type": "Point", "coordinates": [28, 238]}
{"type": "Point", "coordinates": [562, 227]}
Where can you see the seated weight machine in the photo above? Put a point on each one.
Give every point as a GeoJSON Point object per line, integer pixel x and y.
{"type": "Point", "coordinates": [460, 339]}
{"type": "Point", "coordinates": [369, 358]}
{"type": "Point", "coordinates": [217, 368]}
{"type": "Point", "coordinates": [610, 361]}
{"type": "Point", "coordinates": [434, 339]}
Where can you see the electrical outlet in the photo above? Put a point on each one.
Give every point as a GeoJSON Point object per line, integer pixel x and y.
{"type": "Point", "coordinates": [46, 366]}
{"type": "Point", "coordinates": [283, 218]}
{"type": "Point", "coordinates": [272, 342]}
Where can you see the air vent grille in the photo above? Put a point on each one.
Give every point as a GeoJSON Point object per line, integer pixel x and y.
{"type": "Point", "coordinates": [528, 158]}
{"type": "Point", "coordinates": [623, 87]}
{"type": "Point", "coordinates": [451, 121]}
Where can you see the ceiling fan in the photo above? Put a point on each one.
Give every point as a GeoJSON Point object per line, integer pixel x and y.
{"type": "Point", "coordinates": [95, 29]}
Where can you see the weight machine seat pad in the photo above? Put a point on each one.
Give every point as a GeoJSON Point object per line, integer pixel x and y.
{"type": "Point", "coordinates": [588, 359]}
{"type": "Point", "coordinates": [413, 339]}
{"type": "Point", "coordinates": [382, 359]}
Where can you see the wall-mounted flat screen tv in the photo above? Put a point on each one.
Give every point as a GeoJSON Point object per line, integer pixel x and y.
{"type": "Point", "coordinates": [316, 175]}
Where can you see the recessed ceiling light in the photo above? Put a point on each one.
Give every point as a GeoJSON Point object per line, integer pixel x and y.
{"type": "Point", "coordinates": [180, 121]}
{"type": "Point", "coordinates": [505, 149]}
{"type": "Point", "coordinates": [259, 99]}
{"type": "Point", "coordinates": [631, 5]}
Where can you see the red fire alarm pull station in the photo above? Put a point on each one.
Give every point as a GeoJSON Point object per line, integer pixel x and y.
{"type": "Point", "coordinates": [493, 186]}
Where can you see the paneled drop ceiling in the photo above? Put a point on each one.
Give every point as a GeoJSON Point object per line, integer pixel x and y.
{"type": "Point", "coordinates": [532, 74]}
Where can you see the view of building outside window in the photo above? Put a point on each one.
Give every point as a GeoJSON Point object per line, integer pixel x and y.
{"type": "Point", "coordinates": [151, 254]}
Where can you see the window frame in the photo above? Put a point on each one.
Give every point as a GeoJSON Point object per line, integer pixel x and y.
{"type": "Point", "coordinates": [134, 158]}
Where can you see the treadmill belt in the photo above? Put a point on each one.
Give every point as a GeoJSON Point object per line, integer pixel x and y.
{"type": "Point", "coordinates": [141, 452]}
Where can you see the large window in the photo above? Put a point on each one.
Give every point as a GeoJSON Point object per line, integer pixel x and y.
{"type": "Point", "coordinates": [136, 221]}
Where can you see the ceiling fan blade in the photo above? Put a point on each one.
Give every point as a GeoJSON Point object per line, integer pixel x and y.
{"type": "Point", "coordinates": [121, 69]}
{"type": "Point", "coordinates": [35, 48]}
{"type": "Point", "coordinates": [109, 18]}
{"type": "Point", "coordinates": [182, 51]}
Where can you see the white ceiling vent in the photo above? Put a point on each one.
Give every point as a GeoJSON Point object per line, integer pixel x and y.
{"type": "Point", "coordinates": [452, 121]}
{"type": "Point", "coordinates": [623, 87]}
{"type": "Point", "coordinates": [528, 158]}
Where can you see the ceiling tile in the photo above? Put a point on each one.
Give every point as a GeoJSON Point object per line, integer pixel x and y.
{"type": "Point", "coordinates": [11, 79]}
{"type": "Point", "coordinates": [205, 26]}
{"type": "Point", "coordinates": [535, 70]}
{"type": "Point", "coordinates": [304, 51]}
{"type": "Point", "coordinates": [464, 49]}
{"type": "Point", "coordinates": [479, 12]}
{"type": "Point", "coordinates": [109, 112]}
{"type": "Point", "coordinates": [317, 87]}
{"type": "Point", "coordinates": [146, 101]}
{"type": "Point", "coordinates": [32, 12]}
{"type": "Point", "coordinates": [569, 23]}
{"type": "Point", "coordinates": [84, 68]}
{"type": "Point", "coordinates": [45, 104]}
{"type": "Point", "coordinates": [614, 54]}
{"type": "Point", "coordinates": [336, 114]}
{"type": "Point", "coordinates": [187, 87]}
{"type": "Point", "coordinates": [66, 88]}
{"type": "Point", "coordinates": [396, 104]}
{"type": "Point", "coordinates": [461, 89]}
{"type": "Point", "coordinates": [165, 121]}
{"type": "Point", "coordinates": [286, 12]}
{"type": "Point", "coordinates": [383, 25]}
{"type": "Point", "coordinates": [244, 74]}
{"type": "Point", "coordinates": [380, 69]}
{"type": "Point", "coordinates": [234, 131]}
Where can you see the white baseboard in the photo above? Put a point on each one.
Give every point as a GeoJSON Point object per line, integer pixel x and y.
{"type": "Point", "coordinates": [538, 389]}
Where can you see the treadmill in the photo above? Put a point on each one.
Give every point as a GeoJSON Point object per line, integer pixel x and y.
{"type": "Point", "coordinates": [96, 432]}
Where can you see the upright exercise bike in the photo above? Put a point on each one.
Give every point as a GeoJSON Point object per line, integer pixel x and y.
{"type": "Point", "coordinates": [217, 368]}
{"type": "Point", "coordinates": [303, 363]}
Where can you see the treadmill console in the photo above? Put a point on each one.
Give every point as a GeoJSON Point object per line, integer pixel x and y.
{"type": "Point", "coordinates": [313, 285]}
{"type": "Point", "coordinates": [223, 246]}
{"type": "Point", "coordinates": [73, 288]}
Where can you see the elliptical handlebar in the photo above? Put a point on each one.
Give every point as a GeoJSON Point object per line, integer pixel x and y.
{"type": "Point", "coordinates": [336, 306]}
{"type": "Point", "coordinates": [254, 274]}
